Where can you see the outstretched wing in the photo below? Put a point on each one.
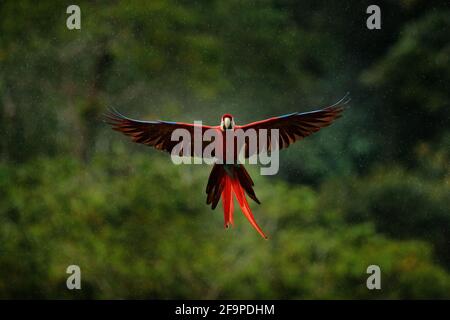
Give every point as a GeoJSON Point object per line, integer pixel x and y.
{"type": "Point", "coordinates": [296, 126]}
{"type": "Point", "coordinates": [157, 134]}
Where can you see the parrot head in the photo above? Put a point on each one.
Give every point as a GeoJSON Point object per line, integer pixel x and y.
{"type": "Point", "coordinates": [227, 122]}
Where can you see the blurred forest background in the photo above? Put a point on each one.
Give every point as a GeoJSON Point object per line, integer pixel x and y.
{"type": "Point", "coordinates": [371, 189]}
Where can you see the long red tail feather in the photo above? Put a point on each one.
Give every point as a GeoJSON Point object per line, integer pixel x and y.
{"type": "Point", "coordinates": [222, 184]}
{"type": "Point", "coordinates": [239, 192]}
{"type": "Point", "coordinates": [227, 202]}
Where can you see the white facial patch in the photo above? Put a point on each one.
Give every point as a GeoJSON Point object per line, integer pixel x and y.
{"type": "Point", "coordinates": [227, 122]}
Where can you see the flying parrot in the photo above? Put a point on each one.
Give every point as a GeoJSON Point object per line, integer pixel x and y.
{"type": "Point", "coordinates": [226, 180]}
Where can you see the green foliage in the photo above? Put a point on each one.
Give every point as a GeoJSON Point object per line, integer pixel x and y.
{"type": "Point", "coordinates": [148, 235]}
{"type": "Point", "coordinates": [414, 77]}
{"type": "Point", "coordinates": [402, 204]}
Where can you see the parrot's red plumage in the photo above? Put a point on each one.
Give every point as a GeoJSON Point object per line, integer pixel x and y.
{"type": "Point", "coordinates": [229, 181]}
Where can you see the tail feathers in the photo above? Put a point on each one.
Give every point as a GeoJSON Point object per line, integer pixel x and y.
{"type": "Point", "coordinates": [216, 184]}
{"type": "Point", "coordinates": [239, 192]}
{"type": "Point", "coordinates": [246, 182]}
{"type": "Point", "coordinates": [227, 202]}
{"type": "Point", "coordinates": [222, 184]}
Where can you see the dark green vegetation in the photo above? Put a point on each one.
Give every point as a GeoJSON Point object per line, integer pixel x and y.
{"type": "Point", "coordinates": [371, 189]}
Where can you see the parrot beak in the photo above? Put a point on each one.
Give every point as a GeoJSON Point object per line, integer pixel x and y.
{"type": "Point", "coordinates": [227, 123]}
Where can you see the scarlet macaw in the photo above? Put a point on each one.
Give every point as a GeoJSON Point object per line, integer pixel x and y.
{"type": "Point", "coordinates": [225, 179]}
